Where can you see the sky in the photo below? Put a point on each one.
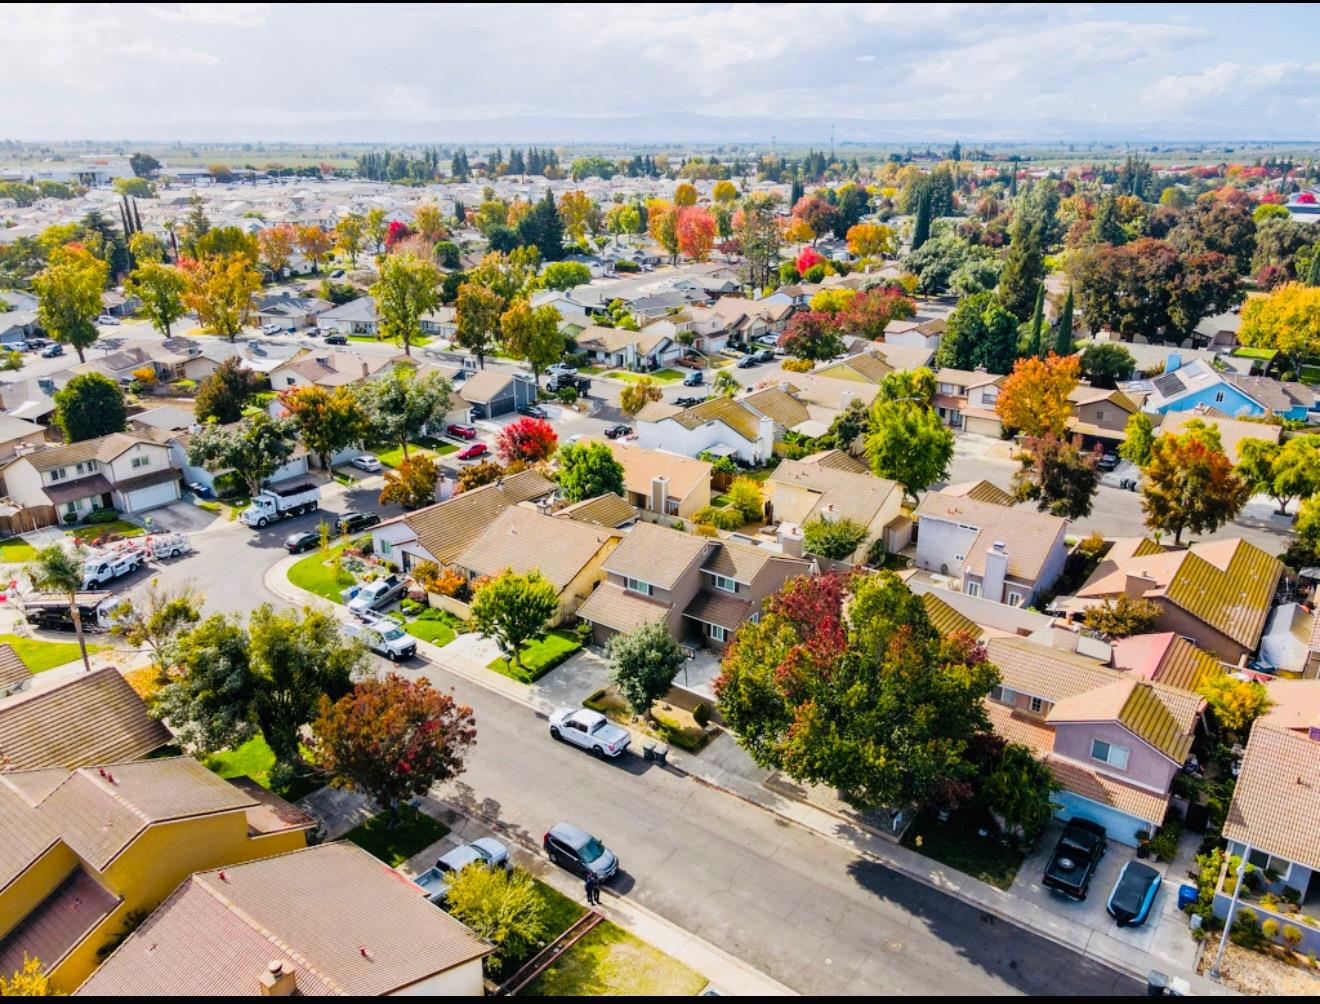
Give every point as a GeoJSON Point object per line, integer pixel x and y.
{"type": "Point", "coordinates": [659, 72]}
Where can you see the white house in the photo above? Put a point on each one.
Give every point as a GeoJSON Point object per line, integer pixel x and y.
{"type": "Point", "coordinates": [122, 471]}
{"type": "Point", "coordinates": [720, 426]}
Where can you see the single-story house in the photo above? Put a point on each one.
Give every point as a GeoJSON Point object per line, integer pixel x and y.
{"type": "Point", "coordinates": [660, 482]}
{"type": "Point", "coordinates": [492, 393]}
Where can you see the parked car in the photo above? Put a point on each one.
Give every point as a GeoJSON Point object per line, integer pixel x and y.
{"type": "Point", "coordinates": [693, 379]}
{"type": "Point", "coordinates": [472, 452]}
{"type": "Point", "coordinates": [688, 402]}
{"type": "Point", "coordinates": [1133, 894]}
{"type": "Point", "coordinates": [375, 595]}
{"type": "Point", "coordinates": [589, 729]}
{"type": "Point", "coordinates": [765, 356]}
{"type": "Point", "coordinates": [353, 521]}
{"type": "Point", "coordinates": [560, 369]}
{"type": "Point", "coordinates": [747, 362]}
{"type": "Point", "coordinates": [486, 852]}
{"type": "Point", "coordinates": [271, 329]}
{"type": "Point", "coordinates": [384, 637]}
{"type": "Point", "coordinates": [303, 541]}
{"type": "Point", "coordinates": [336, 339]}
{"type": "Point", "coordinates": [615, 431]}
{"type": "Point", "coordinates": [1075, 858]}
{"type": "Point", "coordinates": [337, 274]}
{"type": "Point", "coordinates": [1108, 462]}
{"type": "Point", "coordinates": [51, 351]}
{"type": "Point", "coordinates": [368, 462]}
{"type": "Point", "coordinates": [109, 319]}
{"type": "Point", "coordinates": [533, 411]}
{"type": "Point", "coordinates": [461, 431]}
{"type": "Point", "coordinates": [578, 851]}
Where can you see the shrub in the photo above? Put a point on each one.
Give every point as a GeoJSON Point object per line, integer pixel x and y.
{"type": "Point", "coordinates": [1164, 845]}
{"type": "Point", "coordinates": [701, 714]}
{"type": "Point", "coordinates": [678, 525]}
{"type": "Point", "coordinates": [1270, 928]}
{"type": "Point", "coordinates": [624, 265]}
{"type": "Point", "coordinates": [101, 516]}
{"type": "Point", "coordinates": [706, 530]}
{"type": "Point", "coordinates": [745, 497]}
{"type": "Point", "coordinates": [798, 365]}
{"type": "Point", "coordinates": [722, 518]}
{"type": "Point", "coordinates": [1291, 935]}
{"type": "Point", "coordinates": [567, 395]}
{"type": "Point", "coordinates": [450, 583]}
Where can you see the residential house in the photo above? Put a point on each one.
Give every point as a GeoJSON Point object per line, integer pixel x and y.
{"type": "Point", "coordinates": [619, 348]}
{"type": "Point", "coordinates": [701, 588]}
{"type": "Point", "coordinates": [118, 304]}
{"type": "Point", "coordinates": [1285, 644]}
{"type": "Point", "coordinates": [16, 327]}
{"type": "Point", "coordinates": [86, 719]}
{"type": "Point", "coordinates": [916, 332]}
{"type": "Point", "coordinates": [1232, 431]}
{"type": "Point", "coordinates": [568, 553]}
{"type": "Point", "coordinates": [14, 677]}
{"type": "Point", "coordinates": [1113, 742]}
{"type": "Point", "coordinates": [1004, 554]}
{"type": "Point", "coordinates": [978, 412]}
{"type": "Point", "coordinates": [442, 532]}
{"type": "Point", "coordinates": [33, 400]}
{"type": "Point", "coordinates": [291, 313]}
{"type": "Point", "coordinates": [1219, 331]}
{"type": "Point", "coordinates": [442, 322]}
{"type": "Point", "coordinates": [1164, 657]}
{"type": "Point", "coordinates": [952, 388]}
{"type": "Point", "coordinates": [1236, 395]}
{"type": "Point", "coordinates": [18, 435]}
{"type": "Point", "coordinates": [356, 317]}
{"type": "Point", "coordinates": [661, 483]}
{"type": "Point", "coordinates": [787, 412]}
{"type": "Point", "coordinates": [1100, 416]}
{"type": "Point", "coordinates": [121, 365]}
{"type": "Point", "coordinates": [980, 491]}
{"type": "Point", "coordinates": [608, 510]}
{"type": "Point", "coordinates": [279, 928]}
{"type": "Point", "coordinates": [323, 368]}
{"type": "Point", "coordinates": [983, 619]}
{"type": "Point", "coordinates": [874, 364]}
{"type": "Point", "coordinates": [87, 850]}
{"type": "Point", "coordinates": [492, 393]}
{"type": "Point", "coordinates": [1216, 594]}
{"type": "Point", "coordinates": [720, 426]}
{"type": "Point", "coordinates": [832, 486]}
{"type": "Point", "coordinates": [124, 471]}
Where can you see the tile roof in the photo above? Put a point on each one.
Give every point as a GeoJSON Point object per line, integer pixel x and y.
{"type": "Point", "coordinates": [979, 491]}
{"type": "Point", "coordinates": [614, 607]}
{"type": "Point", "coordinates": [603, 510]}
{"type": "Point", "coordinates": [446, 528]}
{"type": "Point", "coordinates": [743, 421]}
{"type": "Point", "coordinates": [744, 562]}
{"type": "Point", "coordinates": [836, 460]}
{"type": "Point", "coordinates": [523, 539]}
{"type": "Point", "coordinates": [24, 835]}
{"type": "Point", "coordinates": [1232, 432]}
{"type": "Point", "coordinates": [1106, 790]}
{"type": "Point", "coordinates": [13, 671]}
{"type": "Point", "coordinates": [215, 935]}
{"type": "Point", "coordinates": [58, 923]}
{"type": "Point", "coordinates": [657, 555]}
{"type": "Point", "coordinates": [711, 607]}
{"type": "Point", "coordinates": [642, 465]}
{"type": "Point", "coordinates": [1166, 658]}
{"type": "Point", "coordinates": [1227, 584]}
{"type": "Point", "coordinates": [1137, 706]}
{"type": "Point", "coordinates": [1294, 704]}
{"type": "Point", "coordinates": [1018, 727]}
{"type": "Point", "coordinates": [1276, 803]}
{"type": "Point", "coordinates": [1029, 535]}
{"type": "Point", "coordinates": [778, 405]}
{"type": "Point", "coordinates": [945, 619]}
{"type": "Point", "coordinates": [92, 718]}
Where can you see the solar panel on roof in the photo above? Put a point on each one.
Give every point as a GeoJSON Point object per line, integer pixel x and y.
{"type": "Point", "coordinates": [1169, 384]}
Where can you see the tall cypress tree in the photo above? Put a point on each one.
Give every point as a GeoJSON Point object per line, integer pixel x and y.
{"type": "Point", "coordinates": [1313, 273]}
{"type": "Point", "coordinates": [1037, 320]}
{"type": "Point", "coordinates": [921, 231]}
{"type": "Point", "coordinates": [1063, 345]}
{"type": "Point", "coordinates": [795, 192]}
{"type": "Point", "coordinates": [1012, 184]}
{"type": "Point", "coordinates": [1024, 267]}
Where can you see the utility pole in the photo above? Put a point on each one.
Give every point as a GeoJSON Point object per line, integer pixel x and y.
{"type": "Point", "coordinates": [1232, 906]}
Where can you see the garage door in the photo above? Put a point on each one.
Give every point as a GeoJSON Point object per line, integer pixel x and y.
{"type": "Point", "coordinates": [153, 496]}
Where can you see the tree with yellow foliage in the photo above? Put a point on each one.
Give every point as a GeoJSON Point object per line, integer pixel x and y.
{"type": "Point", "coordinates": [1034, 397]}
{"type": "Point", "coordinates": [685, 194]}
{"type": "Point", "coordinates": [220, 291]}
{"type": "Point", "coordinates": [1287, 320]}
{"type": "Point", "coordinates": [1235, 703]}
{"type": "Point", "coordinates": [725, 191]}
{"type": "Point", "coordinates": [871, 240]}
{"type": "Point", "coordinates": [29, 981]}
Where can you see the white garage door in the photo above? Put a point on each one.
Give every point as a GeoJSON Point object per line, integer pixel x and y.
{"type": "Point", "coordinates": [155, 495]}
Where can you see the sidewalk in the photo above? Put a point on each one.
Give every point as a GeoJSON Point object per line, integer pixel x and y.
{"type": "Point", "coordinates": [725, 766]}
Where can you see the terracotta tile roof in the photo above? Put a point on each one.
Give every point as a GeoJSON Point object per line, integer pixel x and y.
{"type": "Point", "coordinates": [58, 923]}
{"type": "Point", "coordinates": [1234, 595]}
{"type": "Point", "coordinates": [642, 465]}
{"type": "Point", "coordinates": [613, 607]}
{"type": "Point", "coordinates": [1106, 790]}
{"type": "Point", "coordinates": [979, 491]}
{"type": "Point", "coordinates": [523, 540]}
{"type": "Point", "coordinates": [1294, 704]}
{"type": "Point", "coordinates": [1029, 535]}
{"type": "Point", "coordinates": [778, 405]}
{"type": "Point", "coordinates": [92, 718]}
{"type": "Point", "coordinates": [13, 671]}
{"type": "Point", "coordinates": [710, 607]}
{"type": "Point", "coordinates": [1166, 658]}
{"type": "Point", "coordinates": [603, 510]}
{"type": "Point", "coordinates": [1138, 707]}
{"type": "Point", "coordinates": [743, 421]}
{"type": "Point", "coordinates": [446, 528]}
{"type": "Point", "coordinates": [1048, 673]}
{"type": "Point", "coordinates": [215, 936]}
{"type": "Point", "coordinates": [657, 555]}
{"type": "Point", "coordinates": [947, 620]}
{"type": "Point", "coordinates": [1016, 727]}
{"type": "Point", "coordinates": [1276, 803]}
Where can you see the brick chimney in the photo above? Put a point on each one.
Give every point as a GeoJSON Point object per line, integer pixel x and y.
{"type": "Point", "coordinates": [790, 539]}
{"type": "Point", "coordinates": [279, 980]}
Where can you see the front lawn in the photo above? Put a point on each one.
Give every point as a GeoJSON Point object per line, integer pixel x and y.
{"type": "Point", "coordinates": [540, 657]}
{"type": "Point", "coordinates": [40, 655]}
{"type": "Point", "coordinates": [416, 341]}
{"type": "Point", "coordinates": [255, 759]}
{"type": "Point", "coordinates": [315, 574]}
{"type": "Point", "coordinates": [94, 530]}
{"type": "Point", "coordinates": [414, 831]}
{"type": "Point", "coordinates": [15, 549]}
{"type": "Point", "coordinates": [957, 844]}
{"type": "Point", "coordinates": [393, 456]}
{"type": "Point", "coordinates": [610, 962]}
{"type": "Point", "coordinates": [659, 376]}
{"type": "Point", "coordinates": [435, 632]}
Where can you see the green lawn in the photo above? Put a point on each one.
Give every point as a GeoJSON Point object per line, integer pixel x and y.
{"type": "Point", "coordinates": [540, 657]}
{"type": "Point", "coordinates": [39, 655]}
{"type": "Point", "coordinates": [16, 549]}
{"type": "Point", "coordinates": [610, 962]}
{"type": "Point", "coordinates": [395, 845]}
{"type": "Point", "coordinates": [659, 376]}
{"type": "Point", "coordinates": [254, 759]}
{"type": "Point", "coordinates": [315, 575]}
{"type": "Point", "coordinates": [957, 844]}
{"type": "Point", "coordinates": [721, 501]}
{"type": "Point", "coordinates": [436, 632]}
{"type": "Point", "coordinates": [393, 456]}
{"type": "Point", "coordinates": [419, 340]}
{"type": "Point", "coordinates": [94, 530]}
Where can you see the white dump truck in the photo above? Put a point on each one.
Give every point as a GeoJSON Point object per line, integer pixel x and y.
{"type": "Point", "coordinates": [274, 503]}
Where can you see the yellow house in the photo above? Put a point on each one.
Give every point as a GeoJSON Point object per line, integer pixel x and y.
{"type": "Point", "coordinates": [831, 485]}
{"type": "Point", "coordinates": [86, 854]}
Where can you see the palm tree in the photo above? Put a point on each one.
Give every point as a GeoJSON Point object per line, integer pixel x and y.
{"type": "Point", "coordinates": [725, 384]}
{"type": "Point", "coordinates": [55, 570]}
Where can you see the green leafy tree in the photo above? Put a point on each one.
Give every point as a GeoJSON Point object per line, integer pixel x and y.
{"type": "Point", "coordinates": [161, 288]}
{"type": "Point", "coordinates": [1105, 363]}
{"type": "Point", "coordinates": [1190, 485]}
{"type": "Point", "coordinates": [88, 406]}
{"type": "Point", "coordinates": [1283, 471]}
{"type": "Point", "coordinates": [643, 664]}
{"type": "Point", "coordinates": [392, 739]}
{"type": "Point", "coordinates": [980, 332]}
{"type": "Point", "coordinates": [514, 610]}
{"type": "Point", "coordinates": [745, 496]}
{"type": "Point", "coordinates": [1138, 438]}
{"type": "Point", "coordinates": [1017, 792]}
{"type": "Point", "coordinates": [253, 449]}
{"type": "Point", "coordinates": [1063, 341]}
{"type": "Point", "coordinates": [208, 702]}
{"type": "Point", "coordinates": [1024, 267]}
{"type": "Point", "coordinates": [844, 682]}
{"type": "Point", "coordinates": [908, 444]}
{"type": "Point", "coordinates": [837, 539]}
{"type": "Point", "coordinates": [921, 227]}
{"type": "Point", "coordinates": [224, 394]}
{"type": "Point", "coordinates": [532, 335]}
{"type": "Point", "coordinates": [398, 406]}
{"type": "Point", "coordinates": [70, 289]}
{"type": "Point", "coordinates": [1124, 617]}
{"type": "Point", "coordinates": [407, 290]}
{"type": "Point", "coordinates": [55, 570]}
{"type": "Point", "coordinates": [565, 275]}
{"type": "Point", "coordinates": [477, 319]}
{"type": "Point", "coordinates": [587, 470]}
{"type": "Point", "coordinates": [1060, 478]}
{"type": "Point", "coordinates": [1037, 322]}
{"type": "Point", "coordinates": [501, 905]}
{"type": "Point", "coordinates": [543, 228]}
{"type": "Point", "coordinates": [725, 384]}
{"type": "Point", "coordinates": [328, 420]}
{"type": "Point", "coordinates": [144, 165]}
{"type": "Point", "coordinates": [156, 619]}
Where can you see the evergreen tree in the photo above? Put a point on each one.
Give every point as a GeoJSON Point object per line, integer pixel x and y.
{"type": "Point", "coordinates": [1024, 268]}
{"type": "Point", "coordinates": [1313, 273]}
{"type": "Point", "coordinates": [795, 192]}
{"type": "Point", "coordinates": [1037, 319]}
{"type": "Point", "coordinates": [1106, 228]}
{"type": "Point", "coordinates": [1012, 184]}
{"type": "Point", "coordinates": [921, 230]}
{"type": "Point", "coordinates": [544, 228]}
{"type": "Point", "coordinates": [1063, 344]}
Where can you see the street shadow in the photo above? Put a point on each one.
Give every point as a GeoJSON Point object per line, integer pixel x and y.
{"type": "Point", "coordinates": [621, 883]}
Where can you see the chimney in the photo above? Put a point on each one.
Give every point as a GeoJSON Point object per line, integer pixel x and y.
{"type": "Point", "coordinates": [996, 570]}
{"type": "Point", "coordinates": [845, 399]}
{"type": "Point", "coordinates": [783, 386]}
{"type": "Point", "coordinates": [790, 539]}
{"type": "Point", "coordinates": [1136, 586]}
{"type": "Point", "coordinates": [659, 494]}
{"type": "Point", "coordinates": [279, 980]}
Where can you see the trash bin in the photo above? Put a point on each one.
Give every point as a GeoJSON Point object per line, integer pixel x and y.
{"type": "Point", "coordinates": [648, 750]}
{"type": "Point", "coordinates": [1156, 983]}
{"type": "Point", "coordinates": [659, 754]}
{"type": "Point", "coordinates": [1186, 896]}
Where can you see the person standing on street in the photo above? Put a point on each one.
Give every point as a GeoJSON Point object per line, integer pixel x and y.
{"type": "Point", "coordinates": [593, 894]}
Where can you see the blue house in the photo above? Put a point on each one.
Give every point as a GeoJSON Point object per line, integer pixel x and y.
{"type": "Point", "coordinates": [1198, 383]}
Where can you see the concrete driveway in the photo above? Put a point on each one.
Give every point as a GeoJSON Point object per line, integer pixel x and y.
{"type": "Point", "coordinates": [178, 517]}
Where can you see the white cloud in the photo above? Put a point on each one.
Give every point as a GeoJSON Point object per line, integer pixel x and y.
{"type": "Point", "coordinates": [242, 15]}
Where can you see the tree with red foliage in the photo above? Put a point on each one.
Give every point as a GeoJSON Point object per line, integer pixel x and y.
{"type": "Point", "coordinates": [396, 232]}
{"type": "Point", "coordinates": [867, 313]}
{"type": "Point", "coordinates": [808, 258]}
{"type": "Point", "coordinates": [1190, 484]}
{"type": "Point", "coordinates": [845, 682]}
{"type": "Point", "coordinates": [813, 335]}
{"type": "Point", "coordinates": [392, 739]}
{"type": "Point", "coordinates": [696, 232]}
{"type": "Point", "coordinates": [530, 440]}
{"type": "Point", "coordinates": [817, 214]}
{"type": "Point", "coordinates": [1306, 199]}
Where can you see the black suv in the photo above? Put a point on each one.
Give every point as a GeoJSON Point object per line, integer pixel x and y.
{"type": "Point", "coordinates": [1075, 858]}
{"type": "Point", "coordinates": [352, 522]}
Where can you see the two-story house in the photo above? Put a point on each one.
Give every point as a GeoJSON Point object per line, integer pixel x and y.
{"type": "Point", "coordinates": [702, 588]}
{"type": "Point", "coordinates": [830, 486]}
{"type": "Point", "coordinates": [916, 332]}
{"type": "Point", "coordinates": [1004, 554]}
{"type": "Point", "coordinates": [1100, 416]}
{"type": "Point", "coordinates": [720, 426]}
{"type": "Point", "coordinates": [952, 387]}
{"type": "Point", "coordinates": [86, 851]}
{"type": "Point", "coordinates": [1113, 742]}
{"type": "Point", "coordinates": [123, 471]}
{"type": "Point", "coordinates": [17, 435]}
{"type": "Point", "coordinates": [978, 411]}
{"type": "Point", "coordinates": [659, 482]}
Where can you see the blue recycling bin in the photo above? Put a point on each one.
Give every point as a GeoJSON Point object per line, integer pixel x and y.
{"type": "Point", "coordinates": [1186, 896]}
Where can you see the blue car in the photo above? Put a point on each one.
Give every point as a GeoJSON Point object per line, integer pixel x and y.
{"type": "Point", "coordinates": [1133, 894]}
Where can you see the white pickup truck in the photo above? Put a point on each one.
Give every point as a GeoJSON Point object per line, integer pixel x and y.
{"type": "Point", "coordinates": [100, 569]}
{"type": "Point", "coordinates": [278, 503]}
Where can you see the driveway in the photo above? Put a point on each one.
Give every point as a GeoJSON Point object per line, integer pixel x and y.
{"type": "Point", "coordinates": [178, 517]}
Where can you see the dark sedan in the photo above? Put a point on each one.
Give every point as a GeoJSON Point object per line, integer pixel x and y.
{"type": "Point", "coordinates": [352, 522]}
{"type": "Point", "coordinates": [615, 431]}
{"type": "Point", "coordinates": [336, 339]}
{"type": "Point", "coordinates": [747, 362]}
{"type": "Point", "coordinates": [533, 411]}
{"type": "Point", "coordinates": [300, 542]}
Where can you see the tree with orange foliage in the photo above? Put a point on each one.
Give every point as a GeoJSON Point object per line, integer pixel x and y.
{"type": "Point", "coordinates": [1034, 397]}
{"type": "Point", "coordinates": [276, 245]}
{"type": "Point", "coordinates": [662, 225]}
{"type": "Point", "coordinates": [1189, 484]}
{"type": "Point", "coordinates": [696, 232]}
{"type": "Point", "coordinates": [315, 243]}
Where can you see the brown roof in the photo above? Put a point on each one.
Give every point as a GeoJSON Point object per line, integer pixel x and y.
{"type": "Point", "coordinates": [13, 671]}
{"type": "Point", "coordinates": [603, 510]}
{"type": "Point", "coordinates": [1228, 584]}
{"type": "Point", "coordinates": [1107, 790]}
{"type": "Point", "coordinates": [711, 607]}
{"type": "Point", "coordinates": [447, 528]}
{"type": "Point", "coordinates": [836, 460]}
{"type": "Point", "coordinates": [24, 835]}
{"type": "Point", "coordinates": [92, 718]}
{"type": "Point", "coordinates": [642, 465]}
{"type": "Point", "coordinates": [743, 421]}
{"type": "Point", "coordinates": [1277, 799]}
{"type": "Point", "coordinates": [483, 386]}
{"type": "Point", "coordinates": [71, 491]}
{"type": "Point", "coordinates": [1136, 706]}
{"type": "Point", "coordinates": [1018, 727]}
{"type": "Point", "coordinates": [1029, 535]}
{"type": "Point", "coordinates": [104, 449]}
{"type": "Point", "coordinates": [979, 491]}
{"type": "Point", "coordinates": [218, 931]}
{"type": "Point", "coordinates": [523, 540]}
{"type": "Point", "coordinates": [147, 480]}
{"type": "Point", "coordinates": [614, 607]}
{"type": "Point", "coordinates": [779, 406]}
{"type": "Point", "coordinates": [744, 562]}
{"type": "Point", "coordinates": [1294, 704]}
{"type": "Point", "coordinates": [657, 555]}
{"type": "Point", "coordinates": [58, 923]}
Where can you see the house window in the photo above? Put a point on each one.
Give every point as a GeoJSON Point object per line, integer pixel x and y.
{"type": "Point", "coordinates": [71, 508]}
{"type": "Point", "coordinates": [1219, 397]}
{"type": "Point", "coordinates": [637, 586]}
{"type": "Point", "coordinates": [990, 394]}
{"type": "Point", "coordinates": [728, 585]}
{"type": "Point", "coordinates": [718, 633]}
{"type": "Point", "coordinates": [1037, 704]}
{"type": "Point", "coordinates": [141, 462]}
{"type": "Point", "coordinates": [1015, 599]}
{"type": "Point", "coordinates": [997, 693]}
{"type": "Point", "coordinates": [57, 474]}
{"type": "Point", "coordinates": [385, 549]}
{"type": "Point", "coordinates": [1269, 862]}
{"type": "Point", "coordinates": [973, 588]}
{"type": "Point", "coordinates": [1099, 414]}
{"type": "Point", "coordinates": [1115, 756]}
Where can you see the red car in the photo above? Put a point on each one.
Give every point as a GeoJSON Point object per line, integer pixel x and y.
{"type": "Point", "coordinates": [472, 452]}
{"type": "Point", "coordinates": [462, 431]}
